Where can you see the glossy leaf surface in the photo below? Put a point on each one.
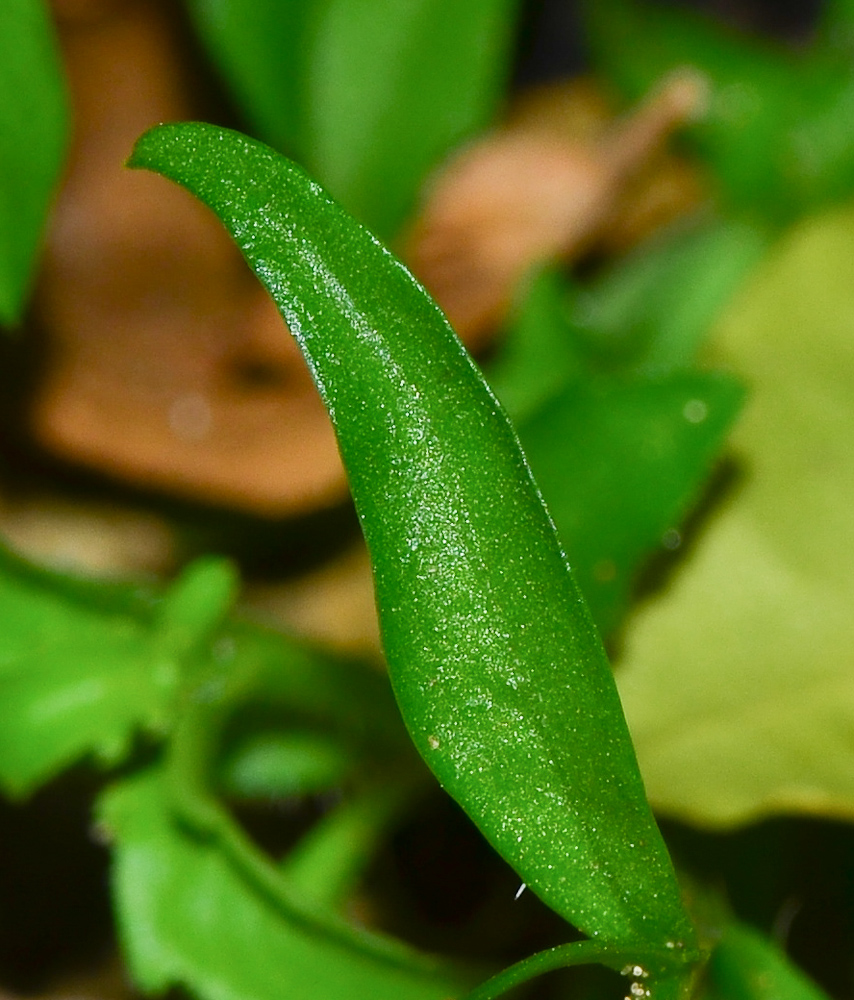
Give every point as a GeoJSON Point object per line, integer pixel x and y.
{"type": "Point", "coordinates": [499, 672]}
{"type": "Point", "coordinates": [736, 680]}
{"type": "Point", "coordinates": [33, 130]}
{"type": "Point", "coordinates": [190, 916]}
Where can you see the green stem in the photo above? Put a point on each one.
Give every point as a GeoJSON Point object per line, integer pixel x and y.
{"type": "Point", "coordinates": [560, 957]}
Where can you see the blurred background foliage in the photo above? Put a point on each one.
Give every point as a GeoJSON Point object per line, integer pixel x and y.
{"type": "Point", "coordinates": [660, 294]}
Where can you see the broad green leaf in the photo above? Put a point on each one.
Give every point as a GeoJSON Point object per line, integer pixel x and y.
{"type": "Point", "coordinates": [744, 965]}
{"type": "Point", "coordinates": [392, 86]}
{"type": "Point", "coordinates": [736, 680]}
{"type": "Point", "coordinates": [620, 462]}
{"type": "Point", "coordinates": [191, 916]}
{"type": "Point", "coordinates": [83, 667]}
{"type": "Point", "coordinates": [33, 128]}
{"type": "Point", "coordinates": [499, 671]}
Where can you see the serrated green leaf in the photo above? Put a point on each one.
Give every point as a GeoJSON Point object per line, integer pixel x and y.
{"type": "Point", "coordinates": [33, 130]}
{"type": "Point", "coordinates": [190, 917]}
{"type": "Point", "coordinates": [620, 463]}
{"type": "Point", "coordinates": [498, 668]}
{"type": "Point", "coordinates": [736, 681]}
{"type": "Point", "coordinates": [75, 679]}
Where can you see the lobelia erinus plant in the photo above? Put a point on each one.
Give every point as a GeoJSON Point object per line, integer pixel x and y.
{"type": "Point", "coordinates": [498, 671]}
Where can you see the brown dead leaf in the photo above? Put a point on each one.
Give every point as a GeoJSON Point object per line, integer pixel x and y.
{"type": "Point", "coordinates": [548, 184]}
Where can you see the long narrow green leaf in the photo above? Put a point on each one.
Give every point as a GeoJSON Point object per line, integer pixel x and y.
{"type": "Point", "coordinates": [499, 672]}
{"type": "Point", "coordinates": [33, 126]}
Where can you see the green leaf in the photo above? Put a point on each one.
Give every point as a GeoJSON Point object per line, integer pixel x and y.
{"type": "Point", "coordinates": [33, 131]}
{"type": "Point", "coordinates": [391, 90]}
{"type": "Point", "coordinates": [499, 671]}
{"type": "Point", "coordinates": [744, 965]}
{"type": "Point", "coordinates": [262, 49]}
{"type": "Point", "coordinates": [736, 680]}
{"type": "Point", "coordinates": [330, 858]}
{"type": "Point", "coordinates": [368, 100]}
{"type": "Point", "coordinates": [191, 916]}
{"type": "Point", "coordinates": [773, 135]}
{"type": "Point", "coordinates": [620, 462]}
{"type": "Point", "coordinates": [273, 699]}
{"type": "Point", "coordinates": [282, 764]}
{"type": "Point", "coordinates": [539, 351]}
{"type": "Point", "coordinates": [653, 310]}
{"type": "Point", "coordinates": [84, 666]}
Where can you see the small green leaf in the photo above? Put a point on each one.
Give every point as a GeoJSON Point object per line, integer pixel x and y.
{"type": "Point", "coordinates": [744, 965]}
{"type": "Point", "coordinates": [736, 680]}
{"type": "Point", "coordinates": [539, 351]}
{"type": "Point", "coordinates": [330, 858]}
{"type": "Point", "coordinates": [279, 764]}
{"type": "Point", "coordinates": [499, 671]}
{"type": "Point", "coordinates": [620, 462]}
{"type": "Point", "coordinates": [620, 458]}
{"type": "Point", "coordinates": [33, 130]}
{"type": "Point", "coordinates": [190, 916]}
{"type": "Point", "coordinates": [653, 310]}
